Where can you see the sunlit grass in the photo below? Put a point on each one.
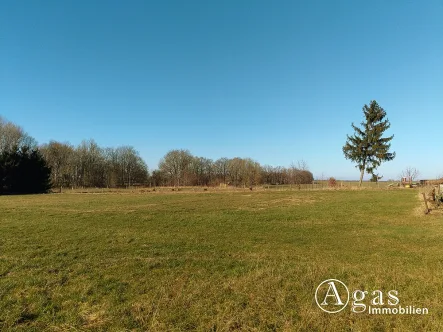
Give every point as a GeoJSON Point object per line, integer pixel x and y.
{"type": "Point", "coordinates": [247, 260]}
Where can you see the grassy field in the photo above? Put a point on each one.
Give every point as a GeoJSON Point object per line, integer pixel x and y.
{"type": "Point", "coordinates": [214, 261]}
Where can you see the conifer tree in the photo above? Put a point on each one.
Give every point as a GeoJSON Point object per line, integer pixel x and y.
{"type": "Point", "coordinates": [367, 147]}
{"type": "Point", "coordinates": [23, 171]}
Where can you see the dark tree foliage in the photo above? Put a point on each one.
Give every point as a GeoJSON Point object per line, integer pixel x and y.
{"type": "Point", "coordinates": [23, 171]}
{"type": "Point", "coordinates": [367, 147]}
{"type": "Point", "coordinates": [375, 178]}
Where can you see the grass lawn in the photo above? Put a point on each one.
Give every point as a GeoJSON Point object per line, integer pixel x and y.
{"type": "Point", "coordinates": [214, 261]}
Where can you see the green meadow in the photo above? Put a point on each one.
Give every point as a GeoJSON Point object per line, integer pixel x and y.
{"type": "Point", "coordinates": [215, 261]}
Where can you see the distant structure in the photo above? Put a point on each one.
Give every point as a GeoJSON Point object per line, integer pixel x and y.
{"type": "Point", "coordinates": [406, 181]}
{"type": "Point", "coordinates": [431, 182]}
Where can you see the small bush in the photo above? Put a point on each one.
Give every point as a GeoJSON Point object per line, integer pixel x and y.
{"type": "Point", "coordinates": [332, 182]}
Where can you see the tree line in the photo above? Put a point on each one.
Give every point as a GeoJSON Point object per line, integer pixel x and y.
{"type": "Point", "coordinates": [61, 164]}
{"type": "Point", "coordinates": [180, 167]}
{"type": "Point", "coordinates": [89, 165]}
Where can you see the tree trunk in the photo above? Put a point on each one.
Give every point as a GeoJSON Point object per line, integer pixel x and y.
{"type": "Point", "coordinates": [361, 174]}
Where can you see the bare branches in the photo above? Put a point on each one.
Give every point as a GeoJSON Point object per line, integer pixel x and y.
{"type": "Point", "coordinates": [14, 137]}
{"type": "Point", "coordinates": [411, 173]}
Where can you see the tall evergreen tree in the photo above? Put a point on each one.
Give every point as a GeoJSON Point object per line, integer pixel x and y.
{"type": "Point", "coordinates": [23, 171]}
{"type": "Point", "coordinates": [367, 147]}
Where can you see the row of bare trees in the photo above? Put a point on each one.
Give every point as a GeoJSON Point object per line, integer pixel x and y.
{"type": "Point", "coordinates": [181, 168]}
{"type": "Point", "coordinates": [89, 165]}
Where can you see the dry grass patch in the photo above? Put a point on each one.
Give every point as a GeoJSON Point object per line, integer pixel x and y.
{"type": "Point", "coordinates": [218, 261]}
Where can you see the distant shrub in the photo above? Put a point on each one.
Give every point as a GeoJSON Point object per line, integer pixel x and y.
{"type": "Point", "coordinates": [332, 182]}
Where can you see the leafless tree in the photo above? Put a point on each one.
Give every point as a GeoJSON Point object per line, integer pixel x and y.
{"type": "Point", "coordinates": [59, 157]}
{"type": "Point", "coordinates": [236, 171]}
{"type": "Point", "coordinates": [253, 173]}
{"type": "Point", "coordinates": [175, 164]}
{"type": "Point", "coordinates": [302, 165]}
{"type": "Point", "coordinates": [221, 167]}
{"type": "Point", "coordinates": [410, 172]}
{"type": "Point", "coordinates": [14, 137]}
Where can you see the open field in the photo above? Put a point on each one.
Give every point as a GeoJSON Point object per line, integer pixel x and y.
{"type": "Point", "coordinates": [215, 261]}
{"type": "Point", "coordinates": [318, 185]}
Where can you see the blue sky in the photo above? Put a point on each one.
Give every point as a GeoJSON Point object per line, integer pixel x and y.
{"type": "Point", "coordinates": [276, 81]}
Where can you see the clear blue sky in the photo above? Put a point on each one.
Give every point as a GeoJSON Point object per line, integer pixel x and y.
{"type": "Point", "coordinates": [276, 81]}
